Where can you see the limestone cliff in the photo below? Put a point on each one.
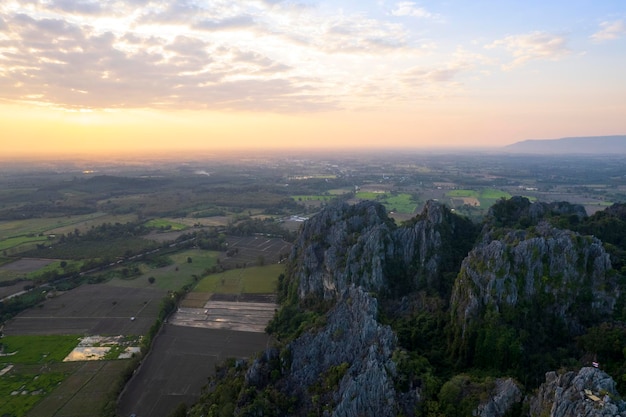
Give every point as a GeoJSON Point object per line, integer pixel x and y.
{"type": "Point", "coordinates": [569, 274]}
{"type": "Point", "coordinates": [360, 245]}
{"type": "Point", "coordinates": [587, 393]}
{"type": "Point", "coordinates": [506, 301]}
{"type": "Point", "coordinates": [345, 367]}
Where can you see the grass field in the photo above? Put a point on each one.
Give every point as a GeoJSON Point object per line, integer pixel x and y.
{"type": "Point", "coordinates": [17, 241]}
{"type": "Point", "coordinates": [487, 197]}
{"type": "Point", "coordinates": [173, 277]}
{"type": "Point", "coordinates": [30, 369]}
{"type": "Point", "coordinates": [37, 349]}
{"type": "Point", "coordinates": [369, 195]}
{"type": "Point", "coordinates": [463, 193]}
{"type": "Point", "coordinates": [23, 387]}
{"type": "Point", "coordinates": [21, 235]}
{"type": "Point", "coordinates": [401, 203]}
{"type": "Point", "coordinates": [253, 280]}
{"type": "Point", "coordinates": [165, 224]}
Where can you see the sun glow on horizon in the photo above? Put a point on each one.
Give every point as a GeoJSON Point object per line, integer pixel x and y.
{"type": "Point", "coordinates": [114, 76]}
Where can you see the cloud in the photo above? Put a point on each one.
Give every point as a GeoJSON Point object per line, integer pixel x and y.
{"type": "Point", "coordinates": [76, 67]}
{"type": "Point", "coordinates": [609, 31]}
{"type": "Point", "coordinates": [532, 46]}
{"type": "Point", "coordinates": [251, 54]}
{"type": "Point", "coordinates": [76, 6]}
{"type": "Point", "coordinates": [408, 8]}
{"type": "Point", "coordinates": [232, 23]}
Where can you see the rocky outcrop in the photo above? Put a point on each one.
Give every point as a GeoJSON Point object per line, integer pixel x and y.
{"type": "Point", "coordinates": [505, 394]}
{"type": "Point", "coordinates": [590, 392]}
{"type": "Point", "coordinates": [360, 245]}
{"type": "Point", "coordinates": [567, 274]}
{"type": "Point", "coordinates": [345, 366]}
{"type": "Point", "coordinates": [342, 245]}
{"type": "Point", "coordinates": [519, 212]}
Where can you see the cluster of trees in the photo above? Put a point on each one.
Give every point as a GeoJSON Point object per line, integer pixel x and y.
{"type": "Point", "coordinates": [269, 226]}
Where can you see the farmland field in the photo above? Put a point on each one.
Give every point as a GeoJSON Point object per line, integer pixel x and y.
{"type": "Point", "coordinates": [37, 349]}
{"type": "Point", "coordinates": [369, 195]}
{"type": "Point", "coordinates": [24, 268]}
{"type": "Point", "coordinates": [484, 198]}
{"type": "Point", "coordinates": [174, 276]}
{"type": "Point", "coordinates": [44, 335]}
{"type": "Point", "coordinates": [84, 392]}
{"type": "Point", "coordinates": [26, 233]}
{"type": "Point", "coordinates": [98, 309]}
{"type": "Point", "coordinates": [251, 250]}
{"type": "Point", "coordinates": [165, 224]}
{"type": "Point", "coordinates": [31, 369]}
{"type": "Point", "coordinates": [401, 203]}
{"type": "Point", "coordinates": [191, 356]}
{"type": "Point", "coordinates": [259, 279]}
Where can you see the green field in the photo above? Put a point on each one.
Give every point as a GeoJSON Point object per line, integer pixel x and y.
{"type": "Point", "coordinates": [23, 387]}
{"type": "Point", "coordinates": [369, 195]}
{"type": "Point", "coordinates": [71, 266]}
{"type": "Point", "coordinates": [165, 224]}
{"type": "Point", "coordinates": [17, 241]}
{"type": "Point", "coordinates": [463, 193]}
{"type": "Point", "coordinates": [253, 280]}
{"type": "Point", "coordinates": [176, 275]}
{"type": "Point", "coordinates": [487, 197]}
{"type": "Point", "coordinates": [400, 203]}
{"type": "Point", "coordinates": [52, 225]}
{"type": "Point", "coordinates": [25, 234]}
{"type": "Point", "coordinates": [37, 349]}
{"type": "Point", "coordinates": [31, 373]}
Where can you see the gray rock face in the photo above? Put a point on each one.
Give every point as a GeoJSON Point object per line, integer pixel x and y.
{"type": "Point", "coordinates": [590, 392]}
{"type": "Point", "coordinates": [505, 394]}
{"type": "Point", "coordinates": [359, 244]}
{"type": "Point", "coordinates": [341, 246]}
{"type": "Point", "coordinates": [351, 338]}
{"type": "Point", "coordinates": [558, 265]}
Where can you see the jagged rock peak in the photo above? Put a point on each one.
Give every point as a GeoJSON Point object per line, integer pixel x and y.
{"type": "Point", "coordinates": [560, 267]}
{"type": "Point", "coordinates": [342, 245]}
{"type": "Point", "coordinates": [360, 245]}
{"type": "Point", "coordinates": [587, 393]}
{"type": "Point", "coordinates": [352, 353]}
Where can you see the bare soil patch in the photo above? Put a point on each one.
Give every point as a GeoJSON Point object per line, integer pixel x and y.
{"type": "Point", "coordinates": [195, 299]}
{"type": "Point", "coordinates": [15, 288]}
{"type": "Point", "coordinates": [26, 265]}
{"type": "Point", "coordinates": [83, 393]}
{"type": "Point", "coordinates": [244, 317]}
{"type": "Point", "coordinates": [250, 249]}
{"type": "Point", "coordinates": [181, 360]}
{"type": "Point", "coordinates": [165, 236]}
{"type": "Point", "coordinates": [92, 310]}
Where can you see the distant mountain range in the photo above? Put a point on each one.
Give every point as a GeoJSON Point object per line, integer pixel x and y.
{"type": "Point", "coordinates": [577, 145]}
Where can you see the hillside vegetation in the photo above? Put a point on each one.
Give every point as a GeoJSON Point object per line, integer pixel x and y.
{"type": "Point", "coordinates": [442, 317]}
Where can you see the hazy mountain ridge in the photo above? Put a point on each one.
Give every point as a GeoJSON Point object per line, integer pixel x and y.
{"type": "Point", "coordinates": [514, 304]}
{"type": "Point", "coordinates": [572, 145]}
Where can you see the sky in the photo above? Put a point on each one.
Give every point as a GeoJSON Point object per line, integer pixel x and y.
{"type": "Point", "coordinates": [132, 76]}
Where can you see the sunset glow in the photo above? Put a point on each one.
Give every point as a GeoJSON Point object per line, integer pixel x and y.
{"type": "Point", "coordinates": [129, 76]}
